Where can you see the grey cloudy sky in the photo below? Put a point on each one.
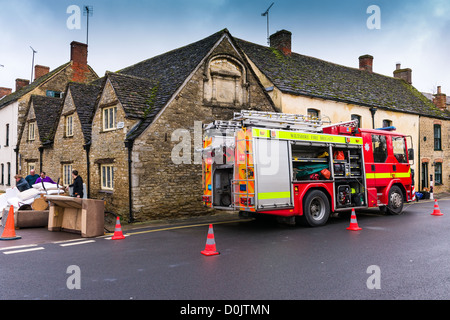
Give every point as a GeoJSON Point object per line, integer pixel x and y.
{"type": "Point", "coordinates": [121, 33]}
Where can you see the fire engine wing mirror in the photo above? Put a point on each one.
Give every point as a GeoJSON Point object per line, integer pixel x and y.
{"type": "Point", "coordinates": [411, 154]}
{"type": "Point", "coordinates": [410, 150]}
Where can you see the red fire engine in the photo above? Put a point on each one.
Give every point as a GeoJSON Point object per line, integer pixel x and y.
{"type": "Point", "coordinates": [296, 167]}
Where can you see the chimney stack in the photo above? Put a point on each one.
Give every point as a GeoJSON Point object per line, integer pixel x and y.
{"type": "Point", "coordinates": [5, 91]}
{"type": "Point", "coordinates": [440, 99]}
{"type": "Point", "coordinates": [20, 83]}
{"type": "Point", "coordinates": [78, 56]}
{"type": "Point", "coordinates": [405, 74]}
{"type": "Point", "coordinates": [78, 52]}
{"type": "Point", "coordinates": [40, 71]}
{"type": "Point", "coordinates": [282, 40]}
{"type": "Point", "coordinates": [366, 63]}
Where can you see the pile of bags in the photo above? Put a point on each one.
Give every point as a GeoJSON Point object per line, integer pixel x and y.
{"type": "Point", "coordinates": [13, 197]}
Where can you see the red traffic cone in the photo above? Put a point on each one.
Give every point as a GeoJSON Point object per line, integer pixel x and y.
{"type": "Point", "coordinates": [118, 235]}
{"type": "Point", "coordinates": [210, 248]}
{"type": "Point", "coordinates": [9, 233]}
{"type": "Point", "coordinates": [436, 211]}
{"type": "Point", "coordinates": [353, 223]}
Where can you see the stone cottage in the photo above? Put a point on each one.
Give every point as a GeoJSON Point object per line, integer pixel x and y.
{"type": "Point", "coordinates": [37, 132]}
{"type": "Point", "coordinates": [14, 106]}
{"type": "Point", "coordinates": [70, 148]}
{"type": "Point", "coordinates": [434, 164]}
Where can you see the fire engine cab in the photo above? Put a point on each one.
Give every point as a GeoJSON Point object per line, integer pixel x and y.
{"type": "Point", "coordinates": [303, 169]}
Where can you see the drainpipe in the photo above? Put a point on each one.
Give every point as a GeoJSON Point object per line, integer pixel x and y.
{"type": "Point", "coordinates": [41, 151]}
{"type": "Point", "coordinates": [373, 110]}
{"type": "Point", "coordinates": [16, 150]}
{"type": "Point", "coordinates": [87, 148]}
{"type": "Point", "coordinates": [129, 146]}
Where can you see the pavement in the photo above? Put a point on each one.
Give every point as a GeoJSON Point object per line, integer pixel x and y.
{"type": "Point", "coordinates": [42, 235]}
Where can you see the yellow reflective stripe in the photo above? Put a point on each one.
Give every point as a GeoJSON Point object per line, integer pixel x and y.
{"type": "Point", "coordinates": [401, 174]}
{"type": "Point", "coordinates": [388, 175]}
{"type": "Point", "coordinates": [274, 195]}
{"type": "Point", "coordinates": [302, 136]}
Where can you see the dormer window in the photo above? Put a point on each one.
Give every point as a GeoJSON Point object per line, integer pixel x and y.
{"type": "Point", "coordinates": [54, 94]}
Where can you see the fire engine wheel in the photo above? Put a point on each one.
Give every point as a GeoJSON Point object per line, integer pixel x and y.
{"type": "Point", "coordinates": [316, 209]}
{"type": "Point", "coordinates": [395, 205]}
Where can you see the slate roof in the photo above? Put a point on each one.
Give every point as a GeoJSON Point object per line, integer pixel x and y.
{"type": "Point", "coordinates": [19, 93]}
{"type": "Point", "coordinates": [146, 87]}
{"type": "Point", "coordinates": [137, 95]}
{"type": "Point", "coordinates": [303, 75]}
{"type": "Point", "coordinates": [47, 111]}
{"type": "Point", "coordinates": [84, 97]}
{"type": "Point", "coordinates": [165, 74]}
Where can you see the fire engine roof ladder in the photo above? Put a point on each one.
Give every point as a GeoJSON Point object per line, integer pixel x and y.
{"type": "Point", "coordinates": [279, 120]}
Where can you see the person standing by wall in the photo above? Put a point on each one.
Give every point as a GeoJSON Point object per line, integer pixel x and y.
{"type": "Point", "coordinates": [77, 185]}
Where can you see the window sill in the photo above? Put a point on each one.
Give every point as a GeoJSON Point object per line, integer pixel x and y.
{"type": "Point", "coordinates": [106, 191]}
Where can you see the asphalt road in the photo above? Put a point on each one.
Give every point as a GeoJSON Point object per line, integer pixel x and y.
{"type": "Point", "coordinates": [259, 260]}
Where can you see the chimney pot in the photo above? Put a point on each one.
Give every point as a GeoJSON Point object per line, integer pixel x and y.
{"type": "Point", "coordinates": [282, 40]}
{"type": "Point", "coordinates": [397, 66]}
{"type": "Point", "coordinates": [20, 83]}
{"type": "Point", "coordinates": [366, 63]}
{"type": "Point", "coordinates": [439, 89]}
{"type": "Point", "coordinates": [40, 71]}
{"type": "Point", "coordinates": [5, 91]}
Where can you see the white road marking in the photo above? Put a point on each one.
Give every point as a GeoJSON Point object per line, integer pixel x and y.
{"type": "Point", "coordinates": [75, 243]}
{"type": "Point", "coordinates": [24, 250]}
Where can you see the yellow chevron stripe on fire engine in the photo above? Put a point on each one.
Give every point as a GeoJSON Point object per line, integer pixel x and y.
{"type": "Point", "coordinates": [388, 175]}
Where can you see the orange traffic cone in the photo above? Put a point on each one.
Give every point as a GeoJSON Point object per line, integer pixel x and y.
{"type": "Point", "coordinates": [9, 233]}
{"type": "Point", "coordinates": [210, 248]}
{"type": "Point", "coordinates": [353, 223]}
{"type": "Point", "coordinates": [118, 235]}
{"type": "Point", "coordinates": [436, 211]}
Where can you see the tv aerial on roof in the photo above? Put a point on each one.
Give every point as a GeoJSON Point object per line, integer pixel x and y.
{"type": "Point", "coordinates": [88, 11]}
{"type": "Point", "coordinates": [266, 14]}
{"type": "Point", "coordinates": [32, 64]}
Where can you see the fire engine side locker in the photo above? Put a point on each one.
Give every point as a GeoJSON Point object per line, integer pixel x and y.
{"type": "Point", "coordinates": [273, 186]}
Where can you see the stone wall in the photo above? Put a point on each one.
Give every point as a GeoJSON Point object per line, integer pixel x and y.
{"type": "Point", "coordinates": [431, 157]}
{"type": "Point", "coordinates": [66, 150]}
{"type": "Point", "coordinates": [108, 147]}
{"type": "Point", "coordinates": [162, 188]}
{"type": "Point", "coordinates": [29, 149]}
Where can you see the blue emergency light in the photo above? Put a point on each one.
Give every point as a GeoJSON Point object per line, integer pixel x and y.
{"type": "Point", "coordinates": [391, 128]}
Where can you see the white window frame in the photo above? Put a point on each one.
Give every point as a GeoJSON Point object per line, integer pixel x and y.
{"type": "Point", "coordinates": [107, 176]}
{"type": "Point", "coordinates": [31, 131]}
{"type": "Point", "coordinates": [109, 115]}
{"type": "Point", "coordinates": [69, 125]}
